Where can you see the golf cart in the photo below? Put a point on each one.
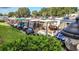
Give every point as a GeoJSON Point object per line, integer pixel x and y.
{"type": "Point", "coordinates": [46, 27]}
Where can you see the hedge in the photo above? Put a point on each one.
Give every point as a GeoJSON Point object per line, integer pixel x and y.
{"type": "Point", "coordinates": [33, 43]}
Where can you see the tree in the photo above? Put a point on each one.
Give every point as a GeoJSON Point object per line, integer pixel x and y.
{"type": "Point", "coordinates": [11, 14]}
{"type": "Point", "coordinates": [1, 14]}
{"type": "Point", "coordinates": [23, 11]}
{"type": "Point", "coordinates": [5, 14]}
{"type": "Point", "coordinates": [35, 13]}
{"type": "Point", "coordinates": [52, 11]}
{"type": "Point", "coordinates": [44, 12]}
{"type": "Point", "coordinates": [61, 11]}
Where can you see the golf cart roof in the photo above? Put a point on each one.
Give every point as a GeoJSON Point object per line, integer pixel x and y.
{"type": "Point", "coordinates": [20, 18]}
{"type": "Point", "coordinates": [48, 20]}
{"type": "Point", "coordinates": [40, 20]}
{"type": "Point", "coordinates": [68, 21]}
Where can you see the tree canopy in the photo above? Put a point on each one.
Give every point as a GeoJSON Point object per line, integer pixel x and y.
{"type": "Point", "coordinates": [43, 11]}
{"type": "Point", "coordinates": [35, 13]}
{"type": "Point", "coordinates": [61, 11]}
{"type": "Point", "coordinates": [23, 11]}
{"type": "Point", "coordinates": [1, 14]}
{"type": "Point", "coordinates": [11, 14]}
{"type": "Point", "coordinates": [48, 11]}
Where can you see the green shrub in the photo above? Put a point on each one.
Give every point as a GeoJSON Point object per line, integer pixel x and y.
{"type": "Point", "coordinates": [33, 43]}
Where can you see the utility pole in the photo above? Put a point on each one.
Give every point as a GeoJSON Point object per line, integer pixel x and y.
{"type": "Point", "coordinates": [47, 29]}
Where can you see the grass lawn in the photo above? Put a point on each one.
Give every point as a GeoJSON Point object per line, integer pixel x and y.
{"type": "Point", "coordinates": [4, 24]}
{"type": "Point", "coordinates": [8, 33]}
{"type": "Point", "coordinates": [12, 39]}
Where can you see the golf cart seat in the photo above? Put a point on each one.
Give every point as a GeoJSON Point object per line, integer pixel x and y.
{"type": "Point", "coordinates": [29, 30]}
